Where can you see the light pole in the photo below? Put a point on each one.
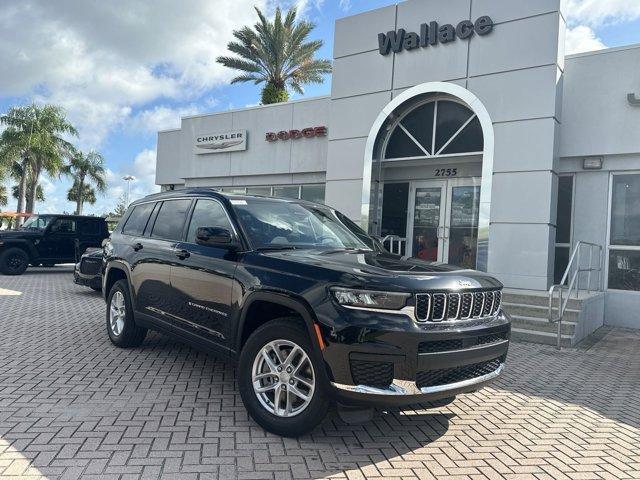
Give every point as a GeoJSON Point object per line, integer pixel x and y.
{"type": "Point", "coordinates": [128, 179]}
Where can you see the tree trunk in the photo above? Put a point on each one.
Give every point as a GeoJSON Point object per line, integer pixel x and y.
{"type": "Point", "coordinates": [79, 198]}
{"type": "Point", "coordinates": [22, 187]}
{"type": "Point", "coordinates": [32, 191]}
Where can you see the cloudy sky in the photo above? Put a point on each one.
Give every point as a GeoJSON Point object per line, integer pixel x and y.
{"type": "Point", "coordinates": [123, 69]}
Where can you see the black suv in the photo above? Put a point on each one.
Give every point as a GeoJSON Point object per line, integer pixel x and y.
{"type": "Point", "coordinates": [311, 307]}
{"type": "Point", "coordinates": [48, 240]}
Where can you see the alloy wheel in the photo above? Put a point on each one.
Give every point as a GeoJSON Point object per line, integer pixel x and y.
{"type": "Point", "coordinates": [283, 378]}
{"type": "Point", "coordinates": [117, 313]}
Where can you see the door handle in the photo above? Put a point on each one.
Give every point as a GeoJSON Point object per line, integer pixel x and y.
{"type": "Point", "coordinates": [137, 246]}
{"type": "Point", "coordinates": [182, 254]}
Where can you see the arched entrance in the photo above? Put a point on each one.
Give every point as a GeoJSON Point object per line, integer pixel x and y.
{"type": "Point", "coordinates": [431, 152]}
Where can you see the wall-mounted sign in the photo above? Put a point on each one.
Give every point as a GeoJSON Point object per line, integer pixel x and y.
{"type": "Point", "coordinates": [308, 132]}
{"type": "Point", "coordinates": [431, 34]}
{"type": "Point", "coordinates": [633, 99]}
{"type": "Point", "coordinates": [221, 142]}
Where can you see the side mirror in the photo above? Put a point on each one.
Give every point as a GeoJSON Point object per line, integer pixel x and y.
{"type": "Point", "coordinates": [215, 237]}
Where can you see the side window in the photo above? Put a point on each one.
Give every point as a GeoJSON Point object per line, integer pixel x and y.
{"type": "Point", "coordinates": [63, 225]}
{"type": "Point", "coordinates": [170, 219]}
{"type": "Point", "coordinates": [138, 219]}
{"type": "Point", "coordinates": [207, 213]}
{"type": "Point", "coordinates": [88, 227]}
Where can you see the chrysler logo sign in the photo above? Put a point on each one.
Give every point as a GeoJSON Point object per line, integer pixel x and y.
{"type": "Point", "coordinates": [431, 34]}
{"type": "Point", "coordinates": [221, 142]}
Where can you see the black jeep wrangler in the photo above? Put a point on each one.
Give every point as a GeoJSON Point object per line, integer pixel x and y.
{"type": "Point", "coordinates": [310, 306]}
{"type": "Point", "coordinates": [49, 239]}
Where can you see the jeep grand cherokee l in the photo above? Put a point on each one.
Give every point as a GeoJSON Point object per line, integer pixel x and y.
{"type": "Point", "coordinates": [312, 308]}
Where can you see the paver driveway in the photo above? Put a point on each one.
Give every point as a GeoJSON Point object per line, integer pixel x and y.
{"type": "Point", "coordinates": [72, 405]}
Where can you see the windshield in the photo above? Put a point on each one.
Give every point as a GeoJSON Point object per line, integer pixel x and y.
{"type": "Point", "coordinates": [36, 222]}
{"type": "Point", "coordinates": [274, 224]}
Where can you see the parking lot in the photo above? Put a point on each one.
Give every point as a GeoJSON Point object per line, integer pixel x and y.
{"type": "Point", "coordinates": [74, 406]}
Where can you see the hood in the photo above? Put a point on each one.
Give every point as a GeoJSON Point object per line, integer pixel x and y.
{"type": "Point", "coordinates": [18, 234]}
{"type": "Point", "coordinates": [384, 270]}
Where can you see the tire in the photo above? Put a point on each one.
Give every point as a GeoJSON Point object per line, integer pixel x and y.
{"type": "Point", "coordinates": [121, 327]}
{"type": "Point", "coordinates": [295, 416]}
{"type": "Point", "coordinates": [14, 261]}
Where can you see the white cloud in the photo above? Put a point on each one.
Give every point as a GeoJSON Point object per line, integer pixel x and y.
{"type": "Point", "coordinates": [599, 12]}
{"type": "Point", "coordinates": [160, 118]}
{"type": "Point", "coordinates": [582, 39]}
{"type": "Point", "coordinates": [345, 5]}
{"type": "Point", "coordinates": [100, 60]}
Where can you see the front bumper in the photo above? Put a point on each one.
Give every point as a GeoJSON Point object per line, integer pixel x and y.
{"type": "Point", "coordinates": [92, 281]}
{"type": "Point", "coordinates": [385, 360]}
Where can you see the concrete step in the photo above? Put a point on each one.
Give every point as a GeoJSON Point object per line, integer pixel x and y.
{"type": "Point", "coordinates": [536, 324]}
{"type": "Point", "coordinates": [539, 311]}
{"type": "Point", "coordinates": [538, 299]}
{"type": "Point", "coordinates": [546, 338]}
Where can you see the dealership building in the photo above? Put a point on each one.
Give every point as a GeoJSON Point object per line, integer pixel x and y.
{"type": "Point", "coordinates": [462, 133]}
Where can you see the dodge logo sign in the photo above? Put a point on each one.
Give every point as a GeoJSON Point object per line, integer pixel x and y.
{"type": "Point", "coordinates": [293, 134]}
{"type": "Point", "coordinates": [221, 142]}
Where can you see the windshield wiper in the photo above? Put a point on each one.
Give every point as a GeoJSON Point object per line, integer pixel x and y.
{"type": "Point", "coordinates": [276, 247]}
{"type": "Point", "coordinates": [347, 249]}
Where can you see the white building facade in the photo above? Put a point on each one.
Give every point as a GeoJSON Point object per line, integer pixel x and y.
{"type": "Point", "coordinates": [461, 128]}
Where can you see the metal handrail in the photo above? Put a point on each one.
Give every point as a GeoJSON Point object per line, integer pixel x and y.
{"type": "Point", "coordinates": [393, 239]}
{"type": "Point", "coordinates": [574, 283]}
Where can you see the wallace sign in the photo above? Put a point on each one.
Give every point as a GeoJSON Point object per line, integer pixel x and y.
{"type": "Point", "coordinates": [432, 34]}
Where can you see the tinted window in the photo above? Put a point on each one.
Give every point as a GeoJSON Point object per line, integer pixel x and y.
{"type": "Point", "coordinates": [63, 225]}
{"type": "Point", "coordinates": [625, 210]}
{"type": "Point", "coordinates": [207, 213]}
{"type": "Point", "coordinates": [170, 219]}
{"type": "Point", "coordinates": [89, 227]}
{"type": "Point", "coordinates": [624, 269]}
{"type": "Point", "coordinates": [285, 192]}
{"type": "Point", "coordinates": [565, 208]}
{"type": "Point", "coordinates": [313, 193]}
{"type": "Point", "coordinates": [138, 219]}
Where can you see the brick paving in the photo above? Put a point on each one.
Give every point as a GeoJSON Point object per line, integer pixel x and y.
{"type": "Point", "coordinates": [74, 406]}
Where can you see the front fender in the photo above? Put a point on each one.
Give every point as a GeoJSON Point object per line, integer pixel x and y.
{"type": "Point", "coordinates": [24, 244]}
{"type": "Point", "coordinates": [295, 303]}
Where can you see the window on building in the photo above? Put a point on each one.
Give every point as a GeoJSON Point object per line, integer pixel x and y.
{"type": "Point", "coordinates": [457, 130]}
{"type": "Point", "coordinates": [313, 193]}
{"type": "Point", "coordinates": [207, 213]}
{"type": "Point", "coordinates": [170, 219]}
{"type": "Point", "coordinates": [563, 226]}
{"type": "Point", "coordinates": [288, 191]}
{"type": "Point", "coordinates": [266, 191]}
{"type": "Point", "coordinates": [624, 236]}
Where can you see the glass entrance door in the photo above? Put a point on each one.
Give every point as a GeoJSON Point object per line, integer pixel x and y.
{"type": "Point", "coordinates": [443, 221]}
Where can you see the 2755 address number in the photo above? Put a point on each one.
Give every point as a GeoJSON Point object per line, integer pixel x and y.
{"type": "Point", "coordinates": [446, 172]}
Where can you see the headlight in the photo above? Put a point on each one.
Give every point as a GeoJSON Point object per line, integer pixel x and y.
{"type": "Point", "coordinates": [370, 299]}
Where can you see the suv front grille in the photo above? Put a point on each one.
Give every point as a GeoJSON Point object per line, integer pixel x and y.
{"type": "Point", "coordinates": [373, 374]}
{"type": "Point", "coordinates": [437, 346]}
{"type": "Point", "coordinates": [445, 376]}
{"type": "Point", "coordinates": [90, 266]}
{"type": "Point", "coordinates": [440, 306]}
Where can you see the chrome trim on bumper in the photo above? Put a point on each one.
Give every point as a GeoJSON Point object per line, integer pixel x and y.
{"type": "Point", "coordinates": [406, 387]}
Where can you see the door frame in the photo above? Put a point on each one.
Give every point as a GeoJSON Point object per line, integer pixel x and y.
{"type": "Point", "coordinates": [446, 196]}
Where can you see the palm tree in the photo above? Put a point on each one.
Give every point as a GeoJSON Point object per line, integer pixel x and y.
{"type": "Point", "coordinates": [88, 194]}
{"type": "Point", "coordinates": [4, 199]}
{"type": "Point", "coordinates": [15, 192]}
{"type": "Point", "coordinates": [33, 143]}
{"type": "Point", "coordinates": [276, 54]}
{"type": "Point", "coordinates": [85, 168]}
